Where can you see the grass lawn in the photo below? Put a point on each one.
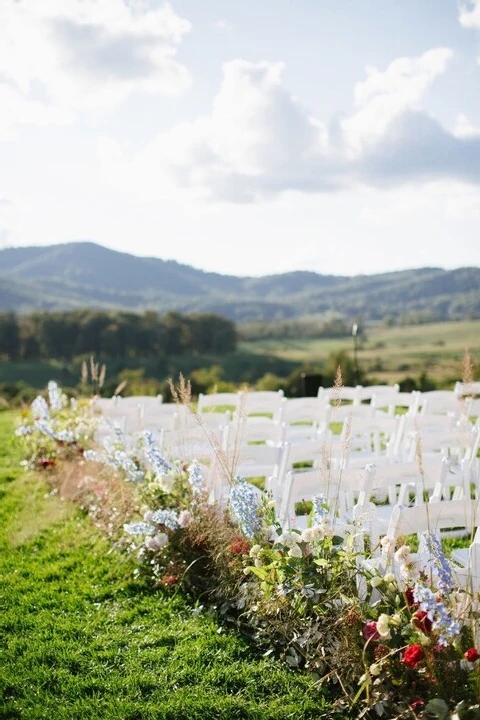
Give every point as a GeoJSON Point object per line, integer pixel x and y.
{"type": "Point", "coordinates": [81, 639]}
{"type": "Point", "coordinates": [390, 354]}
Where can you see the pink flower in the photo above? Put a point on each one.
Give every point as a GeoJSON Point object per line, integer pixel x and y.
{"type": "Point", "coordinates": [185, 518]}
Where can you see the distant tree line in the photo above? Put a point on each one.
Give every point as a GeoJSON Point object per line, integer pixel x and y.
{"type": "Point", "coordinates": [114, 334]}
{"type": "Point", "coordinates": [327, 326]}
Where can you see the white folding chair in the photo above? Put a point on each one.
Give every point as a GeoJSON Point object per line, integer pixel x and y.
{"type": "Point", "coordinates": [341, 489]}
{"type": "Point", "coordinates": [245, 430]}
{"type": "Point", "coordinates": [261, 402]}
{"type": "Point", "coordinates": [441, 401]}
{"type": "Point", "coordinates": [386, 393]}
{"type": "Point", "coordinates": [303, 417]}
{"type": "Point", "coordinates": [399, 402]}
{"type": "Point", "coordinates": [218, 402]}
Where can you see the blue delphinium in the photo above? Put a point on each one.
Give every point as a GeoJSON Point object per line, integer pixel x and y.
{"type": "Point", "coordinates": [436, 611]}
{"type": "Point", "coordinates": [54, 395]}
{"type": "Point", "coordinates": [45, 427]}
{"type": "Point", "coordinates": [439, 562]}
{"type": "Point", "coordinates": [168, 518]}
{"type": "Point", "coordinates": [40, 409]}
{"type": "Point", "coordinates": [117, 459]}
{"type": "Point", "coordinates": [320, 510]}
{"type": "Point", "coordinates": [195, 477]}
{"type": "Point", "coordinates": [23, 430]}
{"type": "Point", "coordinates": [158, 464]}
{"type": "Point", "coordinates": [139, 528]}
{"type": "Point", "coordinates": [244, 504]}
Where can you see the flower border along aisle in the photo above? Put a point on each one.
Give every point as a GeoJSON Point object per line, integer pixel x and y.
{"type": "Point", "coordinates": [402, 647]}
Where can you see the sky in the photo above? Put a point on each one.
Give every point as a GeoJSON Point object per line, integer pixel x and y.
{"type": "Point", "coordinates": [247, 137]}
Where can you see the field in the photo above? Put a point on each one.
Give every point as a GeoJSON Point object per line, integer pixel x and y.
{"type": "Point", "coordinates": [81, 640]}
{"type": "Point", "coordinates": [390, 354]}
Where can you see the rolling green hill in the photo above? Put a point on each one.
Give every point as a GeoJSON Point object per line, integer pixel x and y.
{"type": "Point", "coordinates": [83, 274]}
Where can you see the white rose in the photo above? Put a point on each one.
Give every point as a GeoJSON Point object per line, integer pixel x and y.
{"type": "Point", "coordinates": [326, 527]}
{"type": "Point", "coordinates": [318, 532]}
{"type": "Point", "coordinates": [295, 551]}
{"type": "Point", "coordinates": [382, 626]}
{"type": "Point", "coordinates": [389, 578]}
{"type": "Point", "coordinates": [307, 535]}
{"type": "Point", "coordinates": [255, 551]}
{"type": "Point", "coordinates": [289, 539]}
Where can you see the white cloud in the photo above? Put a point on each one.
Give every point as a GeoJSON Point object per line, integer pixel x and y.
{"type": "Point", "coordinates": [386, 94]}
{"type": "Point", "coordinates": [62, 56]}
{"type": "Point", "coordinates": [223, 26]}
{"type": "Point", "coordinates": [463, 128]}
{"type": "Point", "coordinates": [470, 14]}
{"type": "Point", "coordinates": [258, 141]}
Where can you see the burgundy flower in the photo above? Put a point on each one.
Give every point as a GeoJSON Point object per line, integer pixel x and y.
{"type": "Point", "coordinates": [370, 631]}
{"type": "Point", "coordinates": [472, 655]}
{"type": "Point", "coordinates": [417, 704]}
{"type": "Point", "coordinates": [169, 580]}
{"type": "Point", "coordinates": [410, 599]}
{"type": "Point", "coordinates": [422, 621]}
{"type": "Point", "coordinates": [412, 655]}
{"type": "Point", "coordinates": [47, 463]}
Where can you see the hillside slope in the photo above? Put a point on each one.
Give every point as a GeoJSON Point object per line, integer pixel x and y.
{"type": "Point", "coordinates": [83, 274]}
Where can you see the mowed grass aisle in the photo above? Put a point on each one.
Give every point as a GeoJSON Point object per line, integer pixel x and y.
{"type": "Point", "coordinates": [81, 639]}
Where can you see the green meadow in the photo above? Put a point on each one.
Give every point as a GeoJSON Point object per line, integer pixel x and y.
{"type": "Point", "coordinates": [81, 640]}
{"type": "Point", "coordinates": [389, 354]}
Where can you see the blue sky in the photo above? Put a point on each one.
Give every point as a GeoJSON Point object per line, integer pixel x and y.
{"type": "Point", "coordinates": [244, 136]}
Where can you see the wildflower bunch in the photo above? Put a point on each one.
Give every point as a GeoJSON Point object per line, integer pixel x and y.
{"type": "Point", "coordinates": [55, 430]}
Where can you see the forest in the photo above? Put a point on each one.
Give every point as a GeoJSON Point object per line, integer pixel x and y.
{"type": "Point", "coordinates": [112, 335]}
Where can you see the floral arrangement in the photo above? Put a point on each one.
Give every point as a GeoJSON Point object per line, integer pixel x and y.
{"type": "Point", "coordinates": [55, 428]}
{"type": "Point", "coordinates": [392, 633]}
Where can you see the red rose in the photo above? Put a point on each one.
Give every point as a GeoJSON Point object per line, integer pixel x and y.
{"type": "Point", "coordinates": [370, 631]}
{"type": "Point", "coordinates": [472, 655]}
{"type": "Point", "coordinates": [412, 655]}
{"type": "Point", "coordinates": [422, 621]}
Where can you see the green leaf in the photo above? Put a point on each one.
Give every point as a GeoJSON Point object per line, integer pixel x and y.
{"type": "Point", "coordinates": [437, 709]}
{"type": "Point", "coordinates": [259, 572]}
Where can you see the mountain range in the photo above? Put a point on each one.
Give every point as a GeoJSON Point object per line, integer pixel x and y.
{"type": "Point", "coordinates": [84, 274]}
